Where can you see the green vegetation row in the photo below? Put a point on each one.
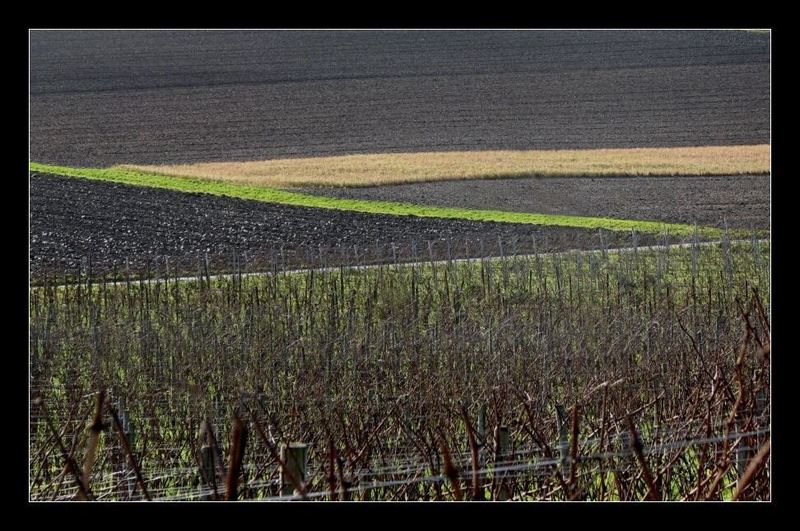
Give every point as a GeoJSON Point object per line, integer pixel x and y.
{"type": "Point", "coordinates": [283, 197]}
{"type": "Point", "coordinates": [385, 371]}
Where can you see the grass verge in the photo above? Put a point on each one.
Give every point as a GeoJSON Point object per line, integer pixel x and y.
{"type": "Point", "coordinates": [397, 168]}
{"type": "Point", "coordinates": [272, 195]}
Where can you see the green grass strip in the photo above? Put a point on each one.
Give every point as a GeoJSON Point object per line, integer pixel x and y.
{"type": "Point", "coordinates": [283, 197]}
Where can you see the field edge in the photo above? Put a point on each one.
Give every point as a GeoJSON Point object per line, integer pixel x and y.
{"type": "Point", "coordinates": [284, 197]}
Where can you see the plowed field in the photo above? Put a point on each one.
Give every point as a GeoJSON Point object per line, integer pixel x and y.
{"type": "Point", "coordinates": [101, 98]}
{"type": "Point", "coordinates": [73, 220]}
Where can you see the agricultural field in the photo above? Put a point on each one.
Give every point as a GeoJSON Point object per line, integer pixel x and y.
{"type": "Point", "coordinates": [735, 201]}
{"type": "Point", "coordinates": [578, 376]}
{"type": "Point", "coordinates": [388, 169]}
{"type": "Point", "coordinates": [400, 265]}
{"type": "Point", "coordinates": [78, 225]}
{"type": "Point", "coordinates": [104, 98]}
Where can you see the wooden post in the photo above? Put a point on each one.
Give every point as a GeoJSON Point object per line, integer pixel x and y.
{"type": "Point", "coordinates": [563, 441]}
{"type": "Point", "coordinates": [294, 456]}
{"type": "Point", "coordinates": [108, 435]}
{"type": "Point", "coordinates": [243, 401]}
{"type": "Point", "coordinates": [503, 445]}
{"type": "Point", "coordinates": [482, 425]}
{"type": "Point", "coordinates": [130, 435]}
{"type": "Point", "coordinates": [207, 472]}
{"type": "Point", "coordinates": [762, 404]}
{"type": "Point", "coordinates": [127, 431]}
{"type": "Point", "coordinates": [625, 441]}
{"type": "Point", "coordinates": [624, 474]}
{"type": "Point", "coordinates": [502, 456]}
{"type": "Point", "coordinates": [742, 451]}
{"type": "Point", "coordinates": [207, 463]}
{"type": "Point", "coordinates": [262, 401]}
{"type": "Point", "coordinates": [208, 469]}
{"type": "Point", "coordinates": [118, 458]}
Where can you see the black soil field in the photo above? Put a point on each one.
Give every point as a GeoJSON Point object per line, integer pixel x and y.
{"type": "Point", "coordinates": [73, 220]}
{"type": "Point", "coordinates": [99, 98]}
{"type": "Point", "coordinates": [740, 202]}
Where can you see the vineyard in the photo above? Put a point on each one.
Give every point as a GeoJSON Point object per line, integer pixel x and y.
{"type": "Point", "coordinates": [635, 374]}
{"type": "Point", "coordinates": [399, 265]}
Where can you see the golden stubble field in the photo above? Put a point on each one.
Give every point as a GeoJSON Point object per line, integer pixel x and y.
{"type": "Point", "coordinates": [396, 168]}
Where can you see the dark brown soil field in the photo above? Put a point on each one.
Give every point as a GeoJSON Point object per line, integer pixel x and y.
{"type": "Point", "coordinates": [741, 202]}
{"type": "Point", "coordinates": [99, 98]}
{"type": "Point", "coordinates": [74, 219]}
